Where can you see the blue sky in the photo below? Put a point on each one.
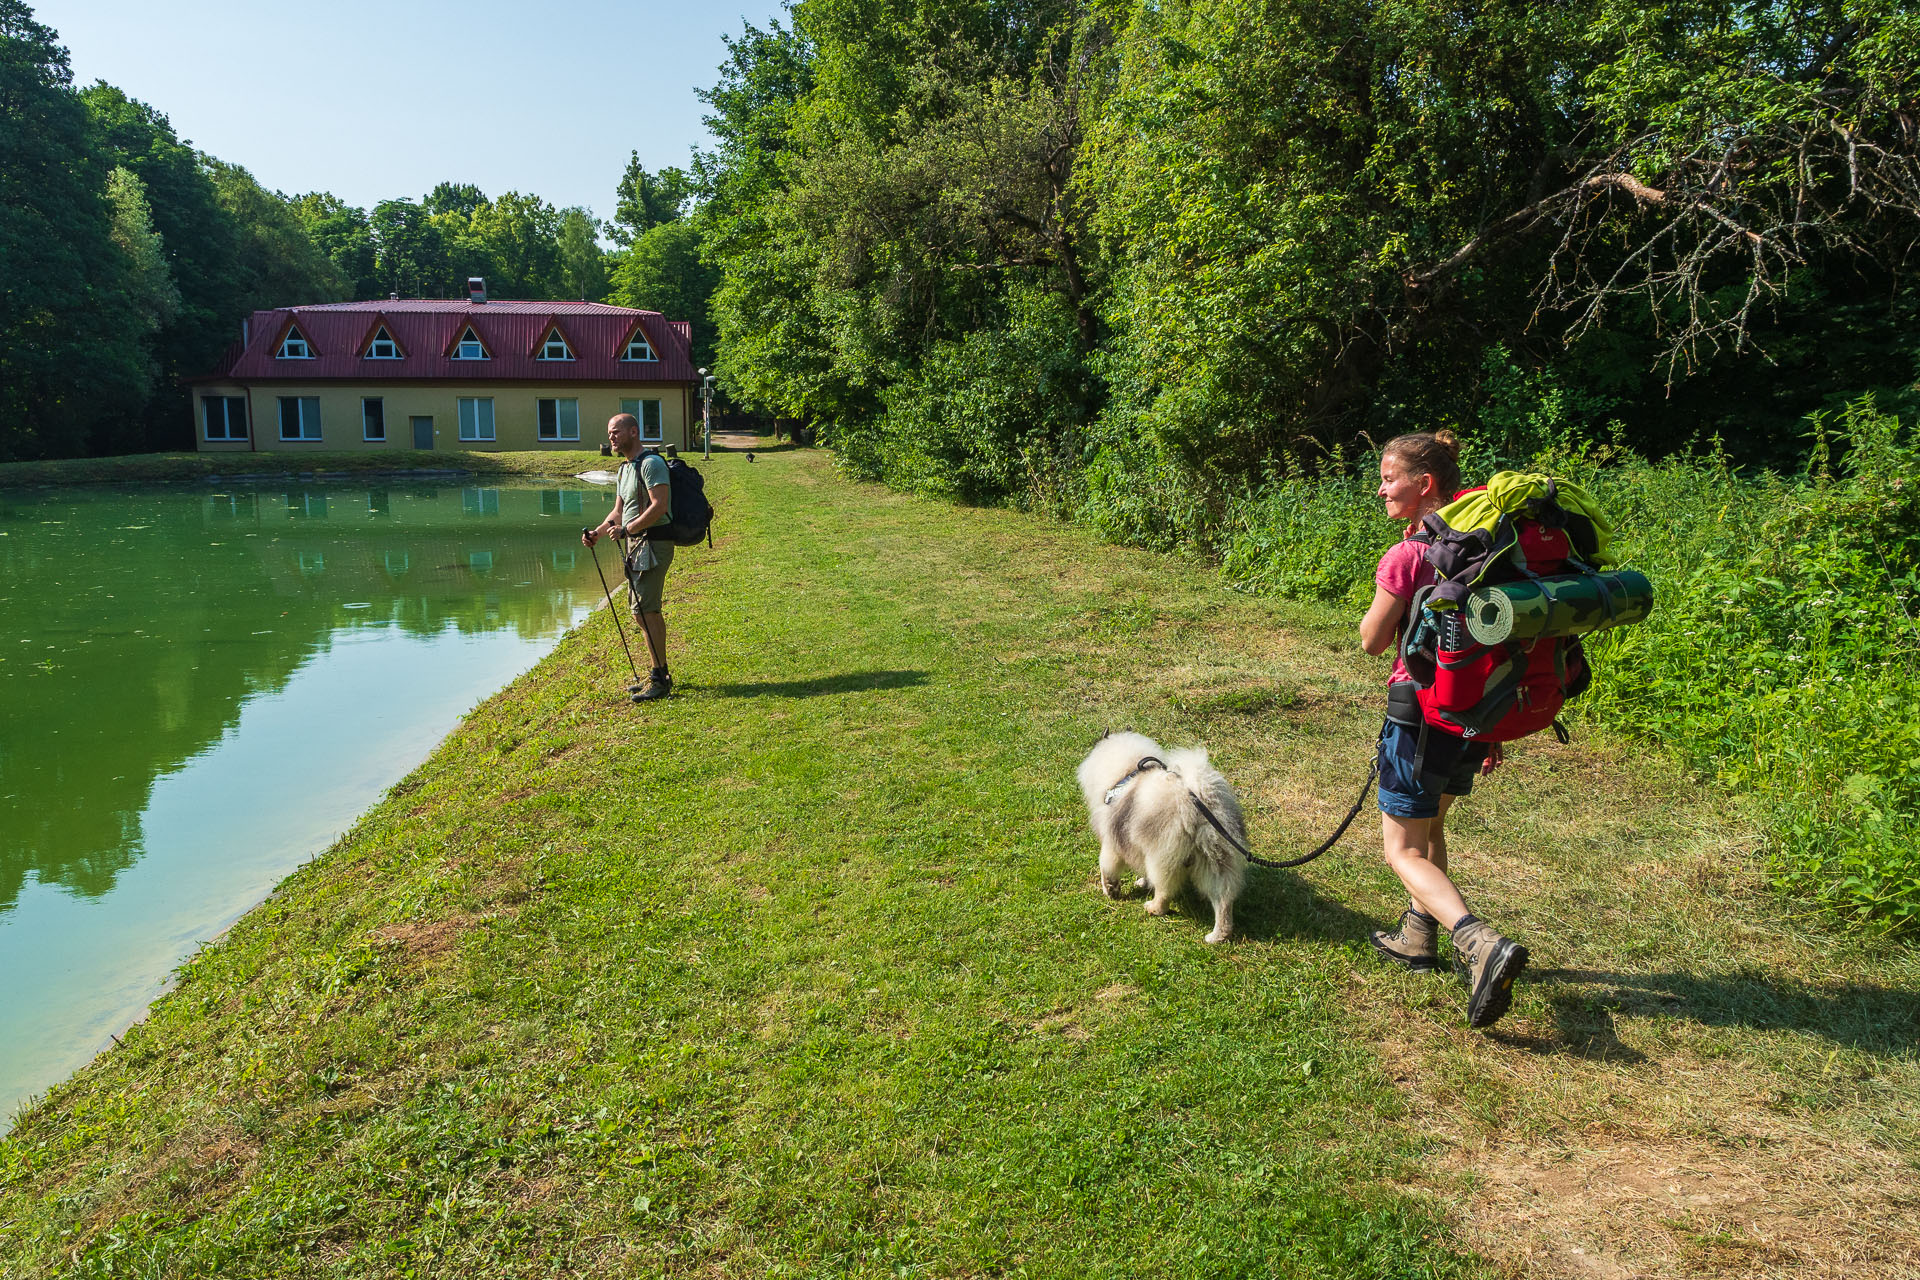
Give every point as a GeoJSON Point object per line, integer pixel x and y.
{"type": "Point", "coordinates": [371, 101]}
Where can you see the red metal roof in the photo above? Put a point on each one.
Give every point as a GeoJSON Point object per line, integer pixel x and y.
{"type": "Point", "coordinates": [426, 329]}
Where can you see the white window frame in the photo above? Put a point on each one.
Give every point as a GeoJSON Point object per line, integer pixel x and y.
{"type": "Point", "coordinates": [638, 409]}
{"type": "Point", "coordinates": [556, 338]}
{"type": "Point", "coordinates": [639, 340]}
{"type": "Point", "coordinates": [294, 338]}
{"type": "Point", "coordinates": [563, 410]}
{"type": "Point", "coordinates": [227, 423]}
{"type": "Point", "coordinates": [306, 419]}
{"type": "Point", "coordinates": [381, 336]}
{"type": "Point", "coordinates": [366, 426]}
{"type": "Point", "coordinates": [471, 425]}
{"type": "Point", "coordinates": [460, 347]}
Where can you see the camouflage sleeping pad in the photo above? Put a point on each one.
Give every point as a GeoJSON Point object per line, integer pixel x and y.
{"type": "Point", "coordinates": [1559, 605]}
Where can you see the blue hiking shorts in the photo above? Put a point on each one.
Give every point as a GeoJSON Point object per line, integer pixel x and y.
{"type": "Point", "coordinates": [1449, 768]}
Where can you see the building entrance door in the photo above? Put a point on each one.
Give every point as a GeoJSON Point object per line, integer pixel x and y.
{"type": "Point", "coordinates": [422, 433]}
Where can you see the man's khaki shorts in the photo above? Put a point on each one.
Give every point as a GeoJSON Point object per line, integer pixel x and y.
{"type": "Point", "coordinates": [646, 586]}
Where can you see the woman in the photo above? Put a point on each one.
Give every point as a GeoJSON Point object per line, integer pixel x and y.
{"type": "Point", "coordinates": [1419, 474]}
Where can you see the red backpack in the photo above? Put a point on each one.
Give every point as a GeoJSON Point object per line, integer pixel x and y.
{"type": "Point", "coordinates": [1494, 692]}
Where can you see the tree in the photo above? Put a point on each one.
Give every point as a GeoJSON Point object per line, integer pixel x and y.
{"type": "Point", "coordinates": [202, 247]}
{"type": "Point", "coordinates": [411, 254]}
{"type": "Point", "coordinates": [888, 186]}
{"type": "Point", "coordinates": [645, 200]}
{"type": "Point", "coordinates": [520, 238]}
{"type": "Point", "coordinates": [276, 263]}
{"type": "Point", "coordinates": [151, 297]}
{"type": "Point", "coordinates": [72, 349]}
{"type": "Point", "coordinates": [461, 198]}
{"type": "Point", "coordinates": [663, 272]}
{"type": "Point", "coordinates": [583, 267]}
{"type": "Point", "coordinates": [343, 233]}
{"type": "Point", "coordinates": [1722, 144]}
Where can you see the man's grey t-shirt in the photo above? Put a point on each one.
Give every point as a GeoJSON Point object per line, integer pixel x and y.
{"type": "Point", "coordinates": [635, 481]}
{"type": "Point", "coordinates": [632, 485]}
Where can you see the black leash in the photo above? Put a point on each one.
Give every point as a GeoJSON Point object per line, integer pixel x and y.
{"type": "Point", "coordinates": [1155, 762]}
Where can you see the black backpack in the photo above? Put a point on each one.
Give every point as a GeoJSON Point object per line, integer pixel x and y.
{"type": "Point", "coordinates": [692, 520]}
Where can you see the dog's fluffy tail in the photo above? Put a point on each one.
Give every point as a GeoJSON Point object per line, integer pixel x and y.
{"type": "Point", "coordinates": [1204, 782]}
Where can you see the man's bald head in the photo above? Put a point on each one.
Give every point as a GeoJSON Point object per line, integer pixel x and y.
{"type": "Point", "coordinates": [623, 432]}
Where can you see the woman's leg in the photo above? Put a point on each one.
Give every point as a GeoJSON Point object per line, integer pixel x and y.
{"type": "Point", "coordinates": [1416, 849]}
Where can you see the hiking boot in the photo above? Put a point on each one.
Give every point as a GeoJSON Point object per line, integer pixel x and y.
{"type": "Point", "coordinates": [1487, 964]}
{"type": "Point", "coordinates": [659, 685]}
{"type": "Point", "coordinates": [1414, 945]}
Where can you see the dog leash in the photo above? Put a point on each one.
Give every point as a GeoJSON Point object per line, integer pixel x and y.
{"type": "Point", "coordinates": [1155, 762]}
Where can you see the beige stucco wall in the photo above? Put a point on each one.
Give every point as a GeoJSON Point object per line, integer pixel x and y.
{"type": "Point", "coordinates": [516, 419]}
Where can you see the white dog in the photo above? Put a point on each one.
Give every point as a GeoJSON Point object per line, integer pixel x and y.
{"type": "Point", "coordinates": [1147, 819]}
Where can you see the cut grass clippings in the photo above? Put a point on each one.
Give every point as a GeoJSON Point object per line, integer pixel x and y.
{"type": "Point", "coordinates": [805, 972]}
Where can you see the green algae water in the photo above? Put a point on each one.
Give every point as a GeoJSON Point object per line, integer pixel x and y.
{"type": "Point", "coordinates": [199, 690]}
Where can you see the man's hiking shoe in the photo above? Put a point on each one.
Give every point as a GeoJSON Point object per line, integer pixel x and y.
{"type": "Point", "coordinates": [1414, 945]}
{"type": "Point", "coordinates": [1487, 964]}
{"type": "Point", "coordinates": [659, 685]}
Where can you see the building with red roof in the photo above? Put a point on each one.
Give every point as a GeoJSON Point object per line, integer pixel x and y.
{"type": "Point", "coordinates": [413, 373]}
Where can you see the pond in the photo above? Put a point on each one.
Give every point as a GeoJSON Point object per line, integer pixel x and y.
{"type": "Point", "coordinates": [200, 690]}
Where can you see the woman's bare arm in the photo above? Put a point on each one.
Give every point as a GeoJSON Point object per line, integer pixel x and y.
{"type": "Point", "coordinates": [1382, 623]}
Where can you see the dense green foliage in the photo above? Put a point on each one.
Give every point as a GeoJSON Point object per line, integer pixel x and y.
{"type": "Point", "coordinates": [1269, 220]}
{"type": "Point", "coordinates": [521, 245]}
{"type": "Point", "coordinates": [66, 236]}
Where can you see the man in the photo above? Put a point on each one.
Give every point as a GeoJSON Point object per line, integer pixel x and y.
{"type": "Point", "coordinates": [642, 499]}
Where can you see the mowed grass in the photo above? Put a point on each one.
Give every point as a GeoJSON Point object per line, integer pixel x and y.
{"type": "Point", "coordinates": [805, 972]}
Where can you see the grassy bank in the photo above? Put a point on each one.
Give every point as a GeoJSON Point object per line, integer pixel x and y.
{"type": "Point", "coordinates": [162, 468]}
{"type": "Point", "coordinates": [1783, 659]}
{"type": "Point", "coordinates": [805, 973]}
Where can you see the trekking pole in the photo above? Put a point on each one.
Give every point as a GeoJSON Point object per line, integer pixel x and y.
{"type": "Point", "coordinates": [612, 609]}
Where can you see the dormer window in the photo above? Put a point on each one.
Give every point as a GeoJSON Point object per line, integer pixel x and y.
{"type": "Point", "coordinates": [638, 348]}
{"type": "Point", "coordinates": [294, 346]}
{"type": "Point", "coordinates": [555, 347]}
{"type": "Point", "coordinates": [383, 347]}
{"type": "Point", "coordinates": [470, 348]}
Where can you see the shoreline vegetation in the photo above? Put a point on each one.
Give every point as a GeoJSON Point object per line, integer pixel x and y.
{"type": "Point", "coordinates": [805, 973]}
{"type": "Point", "coordinates": [170, 468]}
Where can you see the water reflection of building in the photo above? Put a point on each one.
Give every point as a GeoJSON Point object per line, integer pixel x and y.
{"type": "Point", "coordinates": [160, 634]}
{"type": "Point", "coordinates": [419, 557]}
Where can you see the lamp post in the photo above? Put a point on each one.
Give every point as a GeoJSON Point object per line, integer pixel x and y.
{"type": "Point", "coordinates": [706, 415]}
